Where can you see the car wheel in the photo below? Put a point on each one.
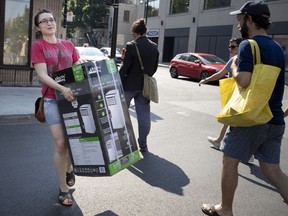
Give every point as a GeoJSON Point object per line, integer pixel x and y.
{"type": "Point", "coordinates": [173, 72]}
{"type": "Point", "coordinates": [204, 74]}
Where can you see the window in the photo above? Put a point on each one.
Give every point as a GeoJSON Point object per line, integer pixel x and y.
{"type": "Point", "coordinates": [211, 4]}
{"type": "Point", "coordinates": [179, 6]}
{"type": "Point", "coordinates": [126, 16]}
{"type": "Point", "coordinates": [153, 8]}
{"type": "Point", "coordinates": [16, 32]}
{"type": "Point", "coordinates": [192, 58]}
{"type": "Point", "coordinates": [184, 57]}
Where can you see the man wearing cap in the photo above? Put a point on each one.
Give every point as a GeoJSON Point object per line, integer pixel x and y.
{"type": "Point", "coordinates": [264, 141]}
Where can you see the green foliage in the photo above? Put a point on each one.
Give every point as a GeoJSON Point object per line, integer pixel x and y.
{"type": "Point", "coordinates": [179, 6]}
{"type": "Point", "coordinates": [19, 26]}
{"type": "Point", "coordinates": [88, 14]}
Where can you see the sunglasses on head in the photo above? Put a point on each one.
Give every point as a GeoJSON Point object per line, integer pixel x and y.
{"type": "Point", "coordinates": [232, 47]}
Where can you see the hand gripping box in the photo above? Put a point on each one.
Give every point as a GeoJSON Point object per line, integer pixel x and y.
{"type": "Point", "coordinates": [97, 124]}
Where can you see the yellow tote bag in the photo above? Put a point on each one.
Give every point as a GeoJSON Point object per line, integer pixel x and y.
{"type": "Point", "coordinates": [249, 107]}
{"type": "Point", "coordinates": [227, 87]}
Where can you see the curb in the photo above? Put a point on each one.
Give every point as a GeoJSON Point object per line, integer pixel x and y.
{"type": "Point", "coordinates": [16, 118]}
{"type": "Point", "coordinates": [163, 65]}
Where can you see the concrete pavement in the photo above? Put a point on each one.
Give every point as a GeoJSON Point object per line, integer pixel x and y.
{"type": "Point", "coordinates": [178, 174]}
{"type": "Point", "coordinates": [18, 102]}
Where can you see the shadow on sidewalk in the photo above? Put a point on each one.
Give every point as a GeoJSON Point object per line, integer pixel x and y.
{"type": "Point", "coordinates": [256, 171]}
{"type": "Point", "coordinates": [158, 172]}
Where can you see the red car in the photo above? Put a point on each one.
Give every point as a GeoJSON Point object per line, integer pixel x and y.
{"type": "Point", "coordinates": [195, 65]}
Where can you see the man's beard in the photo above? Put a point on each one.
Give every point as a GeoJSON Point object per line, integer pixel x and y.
{"type": "Point", "coordinates": [244, 30]}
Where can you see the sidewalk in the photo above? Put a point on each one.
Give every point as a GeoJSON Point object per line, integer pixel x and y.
{"type": "Point", "coordinates": [164, 64]}
{"type": "Point", "coordinates": [18, 102]}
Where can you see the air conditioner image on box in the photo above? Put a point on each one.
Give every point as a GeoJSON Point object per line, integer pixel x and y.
{"type": "Point", "coordinates": [115, 109]}
{"type": "Point", "coordinates": [87, 118]}
{"type": "Point", "coordinates": [114, 147]}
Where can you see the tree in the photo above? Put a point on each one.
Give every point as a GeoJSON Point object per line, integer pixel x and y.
{"type": "Point", "coordinates": [94, 14]}
{"type": "Point", "coordinates": [88, 14]}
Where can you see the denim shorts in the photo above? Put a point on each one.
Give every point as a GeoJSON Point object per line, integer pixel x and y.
{"type": "Point", "coordinates": [262, 141]}
{"type": "Point", "coordinates": [51, 111]}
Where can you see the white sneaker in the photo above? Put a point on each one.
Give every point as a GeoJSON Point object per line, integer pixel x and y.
{"type": "Point", "coordinates": [251, 160]}
{"type": "Point", "coordinates": [213, 142]}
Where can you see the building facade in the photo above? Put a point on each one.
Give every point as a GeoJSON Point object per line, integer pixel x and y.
{"type": "Point", "coordinates": [17, 35]}
{"type": "Point", "coordinates": [204, 25]}
{"type": "Point", "coordinates": [175, 25]}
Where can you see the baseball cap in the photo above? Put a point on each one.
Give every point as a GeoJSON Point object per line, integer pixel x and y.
{"type": "Point", "coordinates": [253, 8]}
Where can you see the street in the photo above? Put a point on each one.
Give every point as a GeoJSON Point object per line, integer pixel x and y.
{"type": "Point", "coordinates": [178, 174]}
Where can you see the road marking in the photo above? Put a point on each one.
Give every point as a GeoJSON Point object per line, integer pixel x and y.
{"type": "Point", "coordinates": [183, 113]}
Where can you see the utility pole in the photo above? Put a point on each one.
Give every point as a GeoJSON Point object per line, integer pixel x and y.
{"type": "Point", "coordinates": [64, 33]}
{"type": "Point", "coordinates": [115, 4]}
{"type": "Point", "coordinates": [114, 31]}
{"type": "Point", "coordinates": [146, 11]}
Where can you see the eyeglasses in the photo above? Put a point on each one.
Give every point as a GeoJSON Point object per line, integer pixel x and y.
{"type": "Point", "coordinates": [232, 47]}
{"type": "Point", "coordinates": [45, 21]}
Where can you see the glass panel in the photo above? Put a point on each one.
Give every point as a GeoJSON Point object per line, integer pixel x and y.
{"type": "Point", "coordinates": [211, 4]}
{"type": "Point", "coordinates": [16, 32]}
{"type": "Point", "coordinates": [153, 8]}
{"type": "Point", "coordinates": [179, 6]}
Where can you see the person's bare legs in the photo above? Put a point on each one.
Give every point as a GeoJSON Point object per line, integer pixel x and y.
{"type": "Point", "coordinates": [229, 182]}
{"type": "Point", "coordinates": [216, 142]}
{"type": "Point", "coordinates": [221, 135]}
{"type": "Point", "coordinates": [275, 175]}
{"type": "Point", "coordinates": [61, 160]}
{"type": "Point", "coordinates": [69, 164]}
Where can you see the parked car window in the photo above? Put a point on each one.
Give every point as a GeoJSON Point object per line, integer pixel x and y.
{"type": "Point", "coordinates": [107, 52]}
{"type": "Point", "coordinates": [213, 60]}
{"type": "Point", "coordinates": [191, 58]}
{"type": "Point", "coordinates": [184, 57]}
{"type": "Point", "coordinates": [177, 57]}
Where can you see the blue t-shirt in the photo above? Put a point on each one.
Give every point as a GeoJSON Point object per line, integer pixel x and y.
{"type": "Point", "coordinates": [271, 54]}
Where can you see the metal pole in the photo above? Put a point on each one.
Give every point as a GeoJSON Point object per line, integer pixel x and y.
{"type": "Point", "coordinates": [65, 14]}
{"type": "Point", "coordinates": [114, 31]}
{"type": "Point", "coordinates": [64, 30]}
{"type": "Point", "coordinates": [146, 11]}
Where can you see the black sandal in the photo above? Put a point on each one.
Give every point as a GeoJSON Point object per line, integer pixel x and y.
{"type": "Point", "coordinates": [70, 178]}
{"type": "Point", "coordinates": [65, 196]}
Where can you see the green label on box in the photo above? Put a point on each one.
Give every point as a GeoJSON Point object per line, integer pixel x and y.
{"type": "Point", "coordinates": [111, 66]}
{"type": "Point", "coordinates": [124, 162]}
{"type": "Point", "coordinates": [89, 139]}
{"type": "Point", "coordinates": [78, 72]}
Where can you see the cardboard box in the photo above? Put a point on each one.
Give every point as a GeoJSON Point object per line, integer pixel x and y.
{"type": "Point", "coordinates": [97, 124]}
